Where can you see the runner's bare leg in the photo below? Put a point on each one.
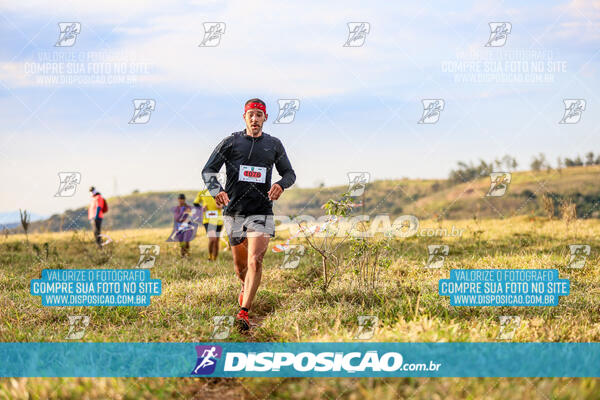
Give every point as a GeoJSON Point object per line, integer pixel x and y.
{"type": "Point", "coordinates": [240, 259]}
{"type": "Point", "coordinates": [213, 247]}
{"type": "Point", "coordinates": [257, 246]}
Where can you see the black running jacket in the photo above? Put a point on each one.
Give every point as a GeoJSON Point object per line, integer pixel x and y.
{"type": "Point", "coordinates": [248, 164]}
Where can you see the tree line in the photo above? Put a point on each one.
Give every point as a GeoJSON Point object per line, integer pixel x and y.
{"type": "Point", "coordinates": [468, 171]}
{"type": "Point", "coordinates": [539, 162]}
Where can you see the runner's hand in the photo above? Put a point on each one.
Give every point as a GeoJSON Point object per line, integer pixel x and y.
{"type": "Point", "coordinates": [222, 199]}
{"type": "Point", "coordinates": [275, 192]}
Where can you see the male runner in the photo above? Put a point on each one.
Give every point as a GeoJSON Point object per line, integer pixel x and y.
{"type": "Point", "coordinates": [249, 156]}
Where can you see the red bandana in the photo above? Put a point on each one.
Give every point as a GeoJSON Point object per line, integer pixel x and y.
{"type": "Point", "coordinates": [256, 105]}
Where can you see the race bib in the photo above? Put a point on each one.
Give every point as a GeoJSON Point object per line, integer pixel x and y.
{"type": "Point", "coordinates": [252, 174]}
{"type": "Point", "coordinates": [211, 214]}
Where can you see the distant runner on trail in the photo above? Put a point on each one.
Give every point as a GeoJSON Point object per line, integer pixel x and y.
{"type": "Point", "coordinates": [249, 156]}
{"type": "Point", "coordinates": [212, 219]}
{"type": "Point", "coordinates": [183, 234]}
{"type": "Point", "coordinates": [96, 211]}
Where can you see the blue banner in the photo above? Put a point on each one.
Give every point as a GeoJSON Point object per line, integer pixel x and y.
{"type": "Point", "coordinates": [504, 287]}
{"type": "Point", "coordinates": [95, 287]}
{"type": "Point", "coordinates": [300, 359]}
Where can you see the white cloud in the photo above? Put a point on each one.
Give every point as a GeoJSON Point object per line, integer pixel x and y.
{"type": "Point", "coordinates": [579, 22]}
{"type": "Point", "coordinates": [111, 12]}
{"type": "Point", "coordinates": [280, 47]}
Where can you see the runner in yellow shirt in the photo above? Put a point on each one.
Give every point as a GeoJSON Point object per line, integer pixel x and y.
{"type": "Point", "coordinates": [212, 220]}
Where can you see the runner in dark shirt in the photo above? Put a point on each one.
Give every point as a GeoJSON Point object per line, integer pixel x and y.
{"type": "Point", "coordinates": [247, 198]}
{"type": "Point", "coordinates": [249, 164]}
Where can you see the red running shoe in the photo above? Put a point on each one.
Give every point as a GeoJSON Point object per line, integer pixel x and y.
{"type": "Point", "coordinates": [242, 321]}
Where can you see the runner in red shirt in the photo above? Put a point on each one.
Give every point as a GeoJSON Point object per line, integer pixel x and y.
{"type": "Point", "coordinates": [95, 214]}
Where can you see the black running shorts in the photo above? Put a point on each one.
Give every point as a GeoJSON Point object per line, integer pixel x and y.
{"type": "Point", "coordinates": [239, 227]}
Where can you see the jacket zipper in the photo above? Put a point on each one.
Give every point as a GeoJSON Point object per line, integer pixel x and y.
{"type": "Point", "coordinates": [251, 147]}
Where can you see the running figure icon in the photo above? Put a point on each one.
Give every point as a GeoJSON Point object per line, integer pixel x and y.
{"type": "Point", "coordinates": [207, 359]}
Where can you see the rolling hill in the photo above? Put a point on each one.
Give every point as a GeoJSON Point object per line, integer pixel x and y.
{"type": "Point", "coordinates": [427, 198]}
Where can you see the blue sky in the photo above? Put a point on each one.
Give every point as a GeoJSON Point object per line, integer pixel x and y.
{"type": "Point", "coordinates": [359, 106]}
